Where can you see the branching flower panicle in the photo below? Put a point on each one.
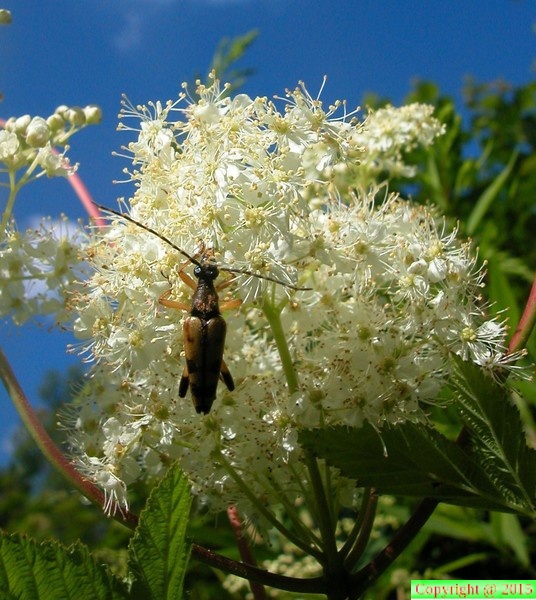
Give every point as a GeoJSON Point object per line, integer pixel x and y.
{"type": "Point", "coordinates": [38, 267]}
{"type": "Point", "coordinates": [293, 194]}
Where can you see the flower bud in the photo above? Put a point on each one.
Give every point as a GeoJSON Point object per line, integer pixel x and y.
{"type": "Point", "coordinates": [21, 124]}
{"type": "Point", "coordinates": [9, 125]}
{"type": "Point", "coordinates": [61, 110]}
{"type": "Point", "coordinates": [75, 116]}
{"type": "Point", "coordinates": [55, 122]}
{"type": "Point", "coordinates": [38, 133]}
{"type": "Point", "coordinates": [9, 144]}
{"type": "Point", "coordinates": [5, 16]}
{"type": "Point", "coordinates": [93, 114]}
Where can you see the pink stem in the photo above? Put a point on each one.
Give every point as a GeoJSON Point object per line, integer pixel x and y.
{"type": "Point", "coordinates": [45, 442]}
{"type": "Point", "coordinates": [85, 198]}
{"type": "Point", "coordinates": [246, 555]}
{"type": "Point", "coordinates": [526, 323]}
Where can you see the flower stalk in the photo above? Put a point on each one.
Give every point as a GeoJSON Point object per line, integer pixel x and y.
{"type": "Point", "coordinates": [47, 446]}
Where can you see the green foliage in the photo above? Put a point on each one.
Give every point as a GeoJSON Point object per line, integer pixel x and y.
{"type": "Point", "coordinates": [50, 571]}
{"type": "Point", "coordinates": [496, 439]}
{"type": "Point", "coordinates": [158, 554]}
{"type": "Point", "coordinates": [223, 66]}
{"type": "Point", "coordinates": [158, 557]}
{"type": "Point", "coordinates": [228, 52]}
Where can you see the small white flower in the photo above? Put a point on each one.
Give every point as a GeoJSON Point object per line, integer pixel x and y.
{"type": "Point", "coordinates": [115, 497]}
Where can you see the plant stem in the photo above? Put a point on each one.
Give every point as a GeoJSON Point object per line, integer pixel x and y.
{"type": "Point", "coordinates": [45, 442]}
{"type": "Point", "coordinates": [273, 315]}
{"type": "Point", "coordinates": [323, 515]}
{"type": "Point", "coordinates": [315, 585]}
{"type": "Point", "coordinates": [305, 533]}
{"type": "Point", "coordinates": [526, 323]}
{"type": "Point", "coordinates": [362, 580]}
{"type": "Point", "coordinates": [257, 589]}
{"type": "Point", "coordinates": [6, 215]}
{"type": "Point", "coordinates": [266, 513]}
{"type": "Point", "coordinates": [350, 540]}
{"type": "Point", "coordinates": [363, 537]}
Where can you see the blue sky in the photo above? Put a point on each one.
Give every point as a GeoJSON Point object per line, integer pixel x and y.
{"type": "Point", "coordinates": [91, 52]}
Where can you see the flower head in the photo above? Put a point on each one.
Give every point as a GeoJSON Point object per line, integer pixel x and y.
{"type": "Point", "coordinates": [39, 268]}
{"type": "Point", "coordinates": [269, 192]}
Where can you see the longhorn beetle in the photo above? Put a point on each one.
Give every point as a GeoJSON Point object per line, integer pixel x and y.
{"type": "Point", "coordinates": [204, 329]}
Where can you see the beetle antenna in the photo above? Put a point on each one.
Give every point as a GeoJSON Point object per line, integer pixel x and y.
{"type": "Point", "coordinates": [150, 230]}
{"type": "Point", "coordinates": [267, 278]}
{"type": "Point", "coordinates": [191, 258]}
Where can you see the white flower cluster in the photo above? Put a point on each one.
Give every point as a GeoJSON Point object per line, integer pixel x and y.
{"type": "Point", "coordinates": [269, 191]}
{"type": "Point", "coordinates": [37, 267]}
{"type": "Point", "coordinates": [392, 131]}
{"type": "Point", "coordinates": [38, 270]}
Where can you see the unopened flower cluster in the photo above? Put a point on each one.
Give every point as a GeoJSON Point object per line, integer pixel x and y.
{"type": "Point", "coordinates": [29, 142]}
{"type": "Point", "coordinates": [286, 189]}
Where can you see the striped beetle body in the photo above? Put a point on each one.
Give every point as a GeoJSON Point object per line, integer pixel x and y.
{"type": "Point", "coordinates": [204, 329]}
{"type": "Point", "coordinates": [204, 340]}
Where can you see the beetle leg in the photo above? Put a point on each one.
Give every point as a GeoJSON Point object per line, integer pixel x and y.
{"type": "Point", "coordinates": [230, 304]}
{"type": "Point", "coordinates": [165, 301]}
{"type": "Point", "coordinates": [191, 283]}
{"type": "Point", "coordinates": [226, 376]}
{"type": "Point", "coordinates": [226, 283]}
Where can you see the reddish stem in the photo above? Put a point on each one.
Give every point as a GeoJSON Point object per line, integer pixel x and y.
{"type": "Point", "coordinates": [45, 442]}
{"type": "Point", "coordinates": [259, 593]}
{"type": "Point", "coordinates": [85, 198]}
{"type": "Point", "coordinates": [526, 323]}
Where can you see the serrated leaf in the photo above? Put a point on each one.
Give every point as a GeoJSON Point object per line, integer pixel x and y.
{"type": "Point", "coordinates": [409, 460]}
{"type": "Point", "coordinates": [497, 438]}
{"type": "Point", "coordinates": [49, 571]}
{"type": "Point", "coordinates": [158, 552]}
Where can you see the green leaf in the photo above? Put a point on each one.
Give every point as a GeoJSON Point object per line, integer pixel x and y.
{"type": "Point", "coordinates": [158, 552]}
{"type": "Point", "coordinates": [459, 522]}
{"type": "Point", "coordinates": [406, 460]}
{"type": "Point", "coordinates": [229, 52]}
{"type": "Point", "coordinates": [508, 532]}
{"type": "Point", "coordinates": [49, 571]}
{"type": "Point", "coordinates": [497, 439]}
{"type": "Point", "coordinates": [500, 290]}
{"type": "Point", "coordinates": [488, 196]}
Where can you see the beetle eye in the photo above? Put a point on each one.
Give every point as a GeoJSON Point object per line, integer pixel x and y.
{"type": "Point", "coordinates": [197, 271]}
